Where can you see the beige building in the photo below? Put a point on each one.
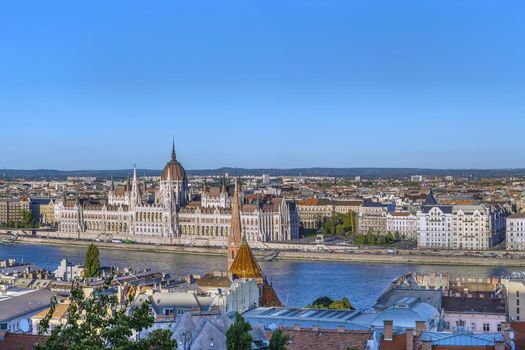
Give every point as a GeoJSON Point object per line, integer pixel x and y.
{"type": "Point", "coordinates": [43, 210]}
{"type": "Point", "coordinates": [11, 210]}
{"type": "Point", "coordinates": [313, 211]}
{"type": "Point", "coordinates": [372, 218]}
{"type": "Point", "coordinates": [166, 215]}
{"type": "Point", "coordinates": [515, 294]}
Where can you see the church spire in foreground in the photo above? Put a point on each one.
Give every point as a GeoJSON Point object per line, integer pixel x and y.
{"type": "Point", "coordinates": [235, 234]}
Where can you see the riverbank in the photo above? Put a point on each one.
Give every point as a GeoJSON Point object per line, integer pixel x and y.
{"type": "Point", "coordinates": [361, 256]}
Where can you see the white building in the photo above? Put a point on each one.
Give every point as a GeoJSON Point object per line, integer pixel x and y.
{"type": "Point", "coordinates": [402, 223]}
{"type": "Point", "coordinates": [17, 308]}
{"type": "Point", "coordinates": [476, 227]}
{"type": "Point", "coordinates": [463, 227]}
{"type": "Point", "coordinates": [515, 227]}
{"type": "Point", "coordinates": [165, 214]}
{"type": "Point", "coordinates": [434, 227]}
{"type": "Point", "coordinates": [67, 271]}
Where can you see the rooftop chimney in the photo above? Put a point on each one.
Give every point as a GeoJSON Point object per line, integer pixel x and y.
{"type": "Point", "coordinates": [409, 333]}
{"type": "Point", "coordinates": [420, 327]}
{"type": "Point", "coordinates": [388, 329]}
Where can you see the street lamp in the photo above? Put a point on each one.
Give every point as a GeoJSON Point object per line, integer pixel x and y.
{"type": "Point", "coordinates": [186, 337]}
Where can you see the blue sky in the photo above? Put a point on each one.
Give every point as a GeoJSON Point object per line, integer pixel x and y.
{"type": "Point", "coordinates": [99, 84]}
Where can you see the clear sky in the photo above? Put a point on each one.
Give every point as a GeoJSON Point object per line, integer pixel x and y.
{"type": "Point", "coordinates": [100, 84]}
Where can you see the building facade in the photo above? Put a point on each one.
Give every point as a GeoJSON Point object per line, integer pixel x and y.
{"type": "Point", "coordinates": [312, 211]}
{"type": "Point", "coordinates": [515, 229]}
{"type": "Point", "coordinates": [463, 227]}
{"type": "Point", "coordinates": [11, 210]}
{"type": "Point", "coordinates": [371, 218]}
{"type": "Point", "coordinates": [402, 223]}
{"type": "Point", "coordinates": [131, 213]}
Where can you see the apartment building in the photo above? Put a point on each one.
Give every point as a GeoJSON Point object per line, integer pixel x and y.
{"type": "Point", "coordinates": [515, 228]}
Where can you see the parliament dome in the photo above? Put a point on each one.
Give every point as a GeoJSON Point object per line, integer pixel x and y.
{"type": "Point", "coordinates": [174, 167]}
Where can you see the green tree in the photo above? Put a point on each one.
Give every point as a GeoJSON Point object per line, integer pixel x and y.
{"type": "Point", "coordinates": [340, 304]}
{"type": "Point", "coordinates": [361, 239]}
{"type": "Point", "coordinates": [238, 336]}
{"type": "Point", "coordinates": [91, 262]}
{"type": "Point", "coordinates": [279, 340]}
{"type": "Point", "coordinates": [370, 238]}
{"type": "Point", "coordinates": [26, 218]}
{"type": "Point", "coordinates": [327, 303]}
{"type": "Point", "coordinates": [99, 322]}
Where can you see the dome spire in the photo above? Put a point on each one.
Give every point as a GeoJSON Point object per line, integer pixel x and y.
{"type": "Point", "coordinates": [173, 154]}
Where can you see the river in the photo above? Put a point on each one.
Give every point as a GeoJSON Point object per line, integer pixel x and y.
{"type": "Point", "coordinates": [297, 282]}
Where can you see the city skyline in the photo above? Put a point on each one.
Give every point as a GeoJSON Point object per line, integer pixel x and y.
{"type": "Point", "coordinates": [95, 85]}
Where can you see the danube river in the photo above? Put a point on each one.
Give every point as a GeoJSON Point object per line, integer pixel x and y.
{"type": "Point", "coordinates": [296, 282]}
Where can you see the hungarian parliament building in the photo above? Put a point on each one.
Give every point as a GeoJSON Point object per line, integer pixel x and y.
{"type": "Point", "coordinates": [166, 214]}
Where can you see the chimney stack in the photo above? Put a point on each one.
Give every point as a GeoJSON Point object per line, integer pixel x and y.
{"type": "Point", "coordinates": [409, 333]}
{"type": "Point", "coordinates": [388, 326]}
{"type": "Point", "coordinates": [420, 327]}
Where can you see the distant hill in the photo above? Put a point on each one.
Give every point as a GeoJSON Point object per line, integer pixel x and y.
{"type": "Point", "coordinates": [335, 172]}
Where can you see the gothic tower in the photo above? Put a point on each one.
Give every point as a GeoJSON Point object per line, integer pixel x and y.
{"type": "Point", "coordinates": [235, 234]}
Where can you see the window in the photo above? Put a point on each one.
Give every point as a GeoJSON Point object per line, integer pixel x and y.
{"type": "Point", "coordinates": [486, 327]}
{"type": "Point", "coordinates": [517, 294]}
{"type": "Point", "coordinates": [3, 326]}
{"type": "Point", "coordinates": [518, 302]}
{"type": "Point", "coordinates": [168, 312]}
{"type": "Point", "coordinates": [499, 327]}
{"type": "Point", "coordinates": [517, 310]}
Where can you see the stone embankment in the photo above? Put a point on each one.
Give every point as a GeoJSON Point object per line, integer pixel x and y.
{"type": "Point", "coordinates": [311, 252]}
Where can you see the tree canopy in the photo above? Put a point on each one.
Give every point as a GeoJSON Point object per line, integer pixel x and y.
{"type": "Point", "coordinates": [325, 302]}
{"type": "Point", "coordinates": [279, 340]}
{"type": "Point", "coordinates": [99, 322]}
{"type": "Point", "coordinates": [92, 261]}
{"type": "Point", "coordinates": [238, 336]}
{"type": "Point", "coordinates": [339, 224]}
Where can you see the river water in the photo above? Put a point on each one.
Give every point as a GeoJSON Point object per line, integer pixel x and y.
{"type": "Point", "coordinates": [297, 283]}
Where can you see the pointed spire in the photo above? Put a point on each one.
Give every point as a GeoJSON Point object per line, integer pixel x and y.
{"type": "Point", "coordinates": [223, 184]}
{"type": "Point", "coordinates": [112, 184]}
{"type": "Point", "coordinates": [236, 229]}
{"type": "Point", "coordinates": [205, 186]}
{"type": "Point", "coordinates": [235, 234]}
{"type": "Point", "coordinates": [135, 195]}
{"type": "Point", "coordinates": [173, 154]}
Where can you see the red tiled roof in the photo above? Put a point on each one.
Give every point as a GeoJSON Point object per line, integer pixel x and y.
{"type": "Point", "coordinates": [12, 341]}
{"type": "Point", "coordinates": [309, 339]}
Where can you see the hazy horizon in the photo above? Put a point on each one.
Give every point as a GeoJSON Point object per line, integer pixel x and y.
{"type": "Point", "coordinates": [250, 84]}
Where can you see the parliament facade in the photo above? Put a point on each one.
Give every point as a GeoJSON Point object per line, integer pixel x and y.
{"type": "Point", "coordinates": [165, 214]}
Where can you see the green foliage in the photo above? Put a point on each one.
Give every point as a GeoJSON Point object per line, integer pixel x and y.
{"type": "Point", "coordinates": [238, 336]}
{"type": "Point", "coordinates": [374, 239]}
{"type": "Point", "coordinates": [327, 303]}
{"type": "Point", "coordinates": [340, 304]}
{"type": "Point", "coordinates": [321, 303]}
{"type": "Point", "coordinates": [279, 340]}
{"type": "Point", "coordinates": [92, 261]}
{"type": "Point", "coordinates": [99, 322]}
{"type": "Point", "coordinates": [338, 224]}
{"type": "Point", "coordinates": [26, 218]}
